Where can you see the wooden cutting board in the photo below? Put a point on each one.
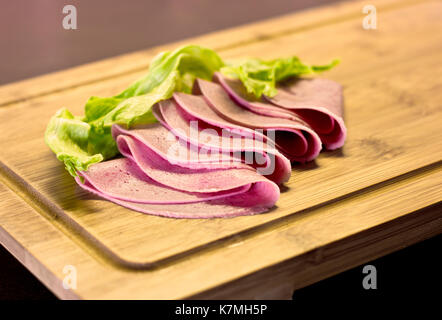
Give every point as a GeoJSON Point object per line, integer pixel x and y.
{"type": "Point", "coordinates": [379, 193]}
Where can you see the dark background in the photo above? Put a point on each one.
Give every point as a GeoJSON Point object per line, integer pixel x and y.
{"type": "Point", "coordinates": [33, 42]}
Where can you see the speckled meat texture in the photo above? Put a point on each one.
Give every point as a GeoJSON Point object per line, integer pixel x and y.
{"type": "Point", "coordinates": [219, 152]}
{"type": "Point", "coordinates": [293, 137]}
{"type": "Point", "coordinates": [235, 191]}
{"type": "Point", "coordinates": [318, 102]}
{"type": "Point", "coordinates": [152, 180]}
{"type": "Point", "coordinates": [254, 198]}
{"type": "Point", "coordinates": [207, 132]}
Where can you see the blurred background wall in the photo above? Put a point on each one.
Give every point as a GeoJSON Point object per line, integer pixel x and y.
{"type": "Point", "coordinates": [33, 40]}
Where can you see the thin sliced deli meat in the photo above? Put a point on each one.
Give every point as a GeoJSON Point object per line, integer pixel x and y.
{"type": "Point", "coordinates": [238, 93]}
{"type": "Point", "coordinates": [293, 137]}
{"type": "Point", "coordinates": [215, 153]}
{"type": "Point", "coordinates": [137, 145]}
{"type": "Point", "coordinates": [319, 102]}
{"type": "Point", "coordinates": [150, 148]}
{"type": "Point", "coordinates": [123, 179]}
{"type": "Point", "coordinates": [192, 119]}
{"type": "Point", "coordinates": [152, 180]}
{"type": "Point", "coordinates": [123, 182]}
{"type": "Point", "coordinates": [164, 143]}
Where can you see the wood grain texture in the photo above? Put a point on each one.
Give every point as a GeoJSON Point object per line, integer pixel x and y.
{"type": "Point", "coordinates": [382, 190]}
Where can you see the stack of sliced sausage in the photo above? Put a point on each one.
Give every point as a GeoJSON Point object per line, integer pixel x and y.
{"type": "Point", "coordinates": [219, 152]}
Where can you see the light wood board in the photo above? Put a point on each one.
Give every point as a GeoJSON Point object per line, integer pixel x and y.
{"type": "Point", "coordinates": [380, 192]}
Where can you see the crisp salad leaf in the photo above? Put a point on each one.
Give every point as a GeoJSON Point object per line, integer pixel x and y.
{"type": "Point", "coordinates": [68, 137]}
{"type": "Point", "coordinates": [260, 77]}
{"type": "Point", "coordinates": [82, 141]}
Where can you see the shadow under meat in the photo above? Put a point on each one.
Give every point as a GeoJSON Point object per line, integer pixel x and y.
{"type": "Point", "coordinates": [338, 153]}
{"type": "Point", "coordinates": [62, 189]}
{"type": "Point", "coordinates": [311, 165]}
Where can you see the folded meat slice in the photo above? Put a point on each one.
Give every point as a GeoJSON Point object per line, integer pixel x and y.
{"type": "Point", "coordinates": [293, 137]}
{"type": "Point", "coordinates": [192, 119]}
{"type": "Point", "coordinates": [123, 179]}
{"type": "Point", "coordinates": [159, 141]}
{"type": "Point", "coordinates": [238, 93]}
{"type": "Point", "coordinates": [319, 102]}
{"type": "Point", "coordinates": [123, 182]}
{"type": "Point", "coordinates": [153, 157]}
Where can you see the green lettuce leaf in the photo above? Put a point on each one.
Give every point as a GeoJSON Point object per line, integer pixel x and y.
{"type": "Point", "coordinates": [168, 72]}
{"type": "Point", "coordinates": [260, 77]}
{"type": "Point", "coordinates": [82, 141]}
{"type": "Point", "coordinates": [68, 137]}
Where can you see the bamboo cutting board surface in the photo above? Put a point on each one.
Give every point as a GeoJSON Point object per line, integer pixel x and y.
{"type": "Point", "coordinates": [380, 192]}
